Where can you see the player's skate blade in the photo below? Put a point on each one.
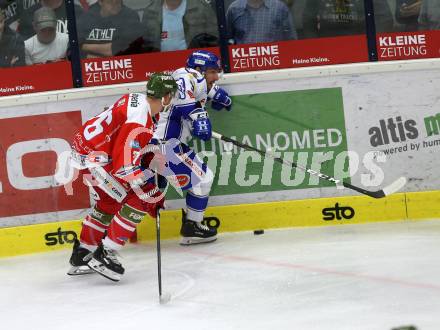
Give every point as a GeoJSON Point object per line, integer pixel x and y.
{"type": "Point", "coordinates": [196, 240]}
{"type": "Point", "coordinates": [80, 270]}
{"type": "Point", "coordinates": [99, 268]}
{"type": "Point", "coordinates": [106, 263]}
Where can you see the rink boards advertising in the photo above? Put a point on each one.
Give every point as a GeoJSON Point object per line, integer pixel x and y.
{"type": "Point", "coordinates": [251, 57]}
{"type": "Point", "coordinates": [321, 121]}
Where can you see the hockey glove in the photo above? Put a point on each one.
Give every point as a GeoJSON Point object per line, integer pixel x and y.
{"type": "Point", "coordinates": [220, 99]}
{"type": "Point", "coordinates": [201, 125]}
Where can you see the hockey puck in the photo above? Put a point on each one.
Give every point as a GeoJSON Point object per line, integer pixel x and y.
{"type": "Point", "coordinates": [259, 232]}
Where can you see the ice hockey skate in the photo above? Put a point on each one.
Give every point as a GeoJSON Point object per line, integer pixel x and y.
{"type": "Point", "coordinates": [79, 259]}
{"type": "Point", "coordinates": [194, 232]}
{"type": "Point", "coordinates": [105, 262]}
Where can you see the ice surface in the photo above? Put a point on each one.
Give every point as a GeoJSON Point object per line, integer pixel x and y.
{"type": "Point", "coordinates": [352, 277]}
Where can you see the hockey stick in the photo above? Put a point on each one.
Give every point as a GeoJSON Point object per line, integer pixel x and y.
{"type": "Point", "coordinates": [388, 190]}
{"type": "Point", "coordinates": [163, 297]}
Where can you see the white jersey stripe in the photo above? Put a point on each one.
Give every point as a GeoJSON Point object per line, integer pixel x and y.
{"type": "Point", "coordinates": [123, 225]}
{"type": "Point", "coordinates": [92, 225]}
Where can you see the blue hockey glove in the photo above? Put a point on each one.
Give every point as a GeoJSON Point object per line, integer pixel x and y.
{"type": "Point", "coordinates": [201, 124]}
{"type": "Point", "coordinates": [220, 99]}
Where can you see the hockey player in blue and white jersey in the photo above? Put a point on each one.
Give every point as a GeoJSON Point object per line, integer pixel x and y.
{"type": "Point", "coordinates": [187, 118]}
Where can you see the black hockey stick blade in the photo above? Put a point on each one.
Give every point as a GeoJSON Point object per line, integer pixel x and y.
{"type": "Point", "coordinates": [388, 190]}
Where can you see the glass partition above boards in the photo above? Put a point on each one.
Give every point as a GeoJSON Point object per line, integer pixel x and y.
{"type": "Point", "coordinates": [273, 34]}
{"type": "Point", "coordinates": [34, 42]}
{"type": "Point", "coordinates": [415, 33]}
{"type": "Point", "coordinates": [124, 41]}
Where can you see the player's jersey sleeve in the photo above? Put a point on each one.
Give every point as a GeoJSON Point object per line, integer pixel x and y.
{"type": "Point", "coordinates": [192, 94]}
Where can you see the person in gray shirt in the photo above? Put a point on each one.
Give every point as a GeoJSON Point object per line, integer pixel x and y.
{"type": "Point", "coordinates": [252, 21]}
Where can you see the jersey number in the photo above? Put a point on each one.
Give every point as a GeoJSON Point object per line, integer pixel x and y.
{"type": "Point", "coordinates": [95, 128]}
{"type": "Point", "coordinates": [181, 86]}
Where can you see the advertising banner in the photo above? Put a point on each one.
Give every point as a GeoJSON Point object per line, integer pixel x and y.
{"type": "Point", "coordinates": [408, 45]}
{"type": "Point", "coordinates": [35, 78]}
{"type": "Point", "coordinates": [320, 123]}
{"type": "Point", "coordinates": [30, 151]}
{"type": "Point", "coordinates": [309, 130]}
{"type": "Point", "coordinates": [298, 53]}
{"type": "Point", "coordinates": [132, 68]}
{"type": "Point", "coordinates": [306, 127]}
{"type": "Point", "coordinates": [408, 135]}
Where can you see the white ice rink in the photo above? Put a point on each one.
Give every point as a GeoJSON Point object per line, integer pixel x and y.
{"type": "Point", "coordinates": [352, 277]}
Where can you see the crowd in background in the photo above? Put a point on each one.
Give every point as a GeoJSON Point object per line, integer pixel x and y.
{"type": "Point", "coordinates": [36, 31]}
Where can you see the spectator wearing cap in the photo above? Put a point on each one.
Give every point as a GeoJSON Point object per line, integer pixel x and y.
{"type": "Point", "coordinates": [180, 24]}
{"type": "Point", "coordinates": [47, 45]}
{"type": "Point", "coordinates": [109, 29]}
{"type": "Point", "coordinates": [429, 18]}
{"type": "Point", "coordinates": [27, 8]}
{"type": "Point", "coordinates": [252, 21]}
{"type": "Point", "coordinates": [11, 45]}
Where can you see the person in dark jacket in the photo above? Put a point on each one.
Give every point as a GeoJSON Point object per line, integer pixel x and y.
{"type": "Point", "coordinates": [11, 45]}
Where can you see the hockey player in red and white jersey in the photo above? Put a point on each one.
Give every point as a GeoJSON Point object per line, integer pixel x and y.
{"type": "Point", "coordinates": [108, 150]}
{"type": "Point", "coordinates": [188, 118]}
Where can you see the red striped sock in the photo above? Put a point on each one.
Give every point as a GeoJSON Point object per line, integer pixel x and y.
{"type": "Point", "coordinates": [92, 232]}
{"type": "Point", "coordinates": [120, 230]}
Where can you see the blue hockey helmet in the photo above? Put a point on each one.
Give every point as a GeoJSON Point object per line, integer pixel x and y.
{"type": "Point", "coordinates": [204, 60]}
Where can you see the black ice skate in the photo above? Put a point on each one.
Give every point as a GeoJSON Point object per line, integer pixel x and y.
{"type": "Point", "coordinates": [194, 232]}
{"type": "Point", "coordinates": [79, 259]}
{"type": "Point", "coordinates": [105, 262]}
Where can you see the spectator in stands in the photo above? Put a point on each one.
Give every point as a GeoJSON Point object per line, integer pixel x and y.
{"type": "Point", "coordinates": [252, 21]}
{"type": "Point", "coordinates": [109, 29]}
{"type": "Point", "coordinates": [429, 18]}
{"type": "Point", "coordinates": [331, 18]}
{"type": "Point", "coordinates": [26, 28]}
{"type": "Point", "coordinates": [25, 13]}
{"type": "Point", "coordinates": [407, 13]}
{"type": "Point", "coordinates": [11, 45]}
{"type": "Point", "coordinates": [10, 10]}
{"type": "Point", "coordinates": [86, 4]}
{"type": "Point", "coordinates": [59, 7]}
{"type": "Point", "coordinates": [47, 45]}
{"type": "Point", "coordinates": [180, 24]}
